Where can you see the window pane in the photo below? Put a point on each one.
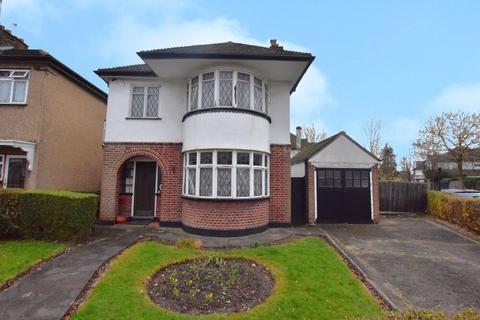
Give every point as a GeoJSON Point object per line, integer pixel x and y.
{"type": "Point", "coordinates": [138, 89]}
{"type": "Point", "coordinates": [206, 182]}
{"type": "Point", "coordinates": [364, 183]}
{"type": "Point", "coordinates": [243, 158]}
{"type": "Point", "coordinates": [191, 181]}
{"type": "Point", "coordinates": [266, 161]}
{"type": "Point", "coordinates": [266, 182]}
{"type": "Point", "coordinates": [137, 105]}
{"type": "Point", "coordinates": [127, 177]}
{"type": "Point", "coordinates": [243, 182]}
{"type": "Point", "coordinates": [224, 157]}
{"type": "Point", "coordinates": [321, 173]}
{"type": "Point", "coordinates": [348, 174]}
{"type": "Point", "coordinates": [192, 158]}
{"type": "Point", "coordinates": [152, 102]}
{"type": "Point", "coordinates": [356, 183]}
{"type": "Point", "coordinates": [208, 90]}
{"type": "Point", "coordinates": [19, 91]}
{"type": "Point", "coordinates": [224, 182]}
{"type": "Point", "coordinates": [5, 87]}
{"type": "Point", "coordinates": [243, 88]}
{"type": "Point", "coordinates": [194, 95]}
{"type": "Point", "coordinates": [266, 99]}
{"type": "Point", "coordinates": [257, 159]}
{"type": "Point", "coordinates": [257, 182]}
{"type": "Point", "coordinates": [258, 95]}
{"type": "Point", "coordinates": [225, 88]}
{"type": "Point", "coordinates": [205, 157]}
{"type": "Point", "coordinates": [4, 74]}
{"type": "Point", "coordinates": [348, 183]}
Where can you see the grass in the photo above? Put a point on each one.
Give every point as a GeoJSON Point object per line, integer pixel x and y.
{"type": "Point", "coordinates": [312, 282]}
{"type": "Point", "coordinates": [17, 256]}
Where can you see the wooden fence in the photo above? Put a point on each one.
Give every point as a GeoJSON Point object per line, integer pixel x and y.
{"type": "Point", "coordinates": [403, 196]}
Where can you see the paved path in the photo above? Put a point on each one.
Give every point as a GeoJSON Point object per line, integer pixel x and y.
{"type": "Point", "coordinates": [415, 261]}
{"type": "Point", "coordinates": [48, 292]}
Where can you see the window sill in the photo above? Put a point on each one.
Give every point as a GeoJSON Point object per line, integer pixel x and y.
{"type": "Point", "coordinates": [225, 199]}
{"type": "Point", "coordinates": [141, 118]}
{"type": "Point", "coordinates": [3, 104]}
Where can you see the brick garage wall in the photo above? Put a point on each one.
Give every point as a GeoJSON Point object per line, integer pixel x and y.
{"type": "Point", "coordinates": [225, 215]}
{"type": "Point", "coordinates": [280, 197]}
{"type": "Point", "coordinates": [168, 157]}
{"type": "Point", "coordinates": [376, 193]}
{"type": "Point", "coordinates": [310, 192]}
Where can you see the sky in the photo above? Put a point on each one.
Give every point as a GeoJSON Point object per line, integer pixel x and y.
{"type": "Point", "coordinates": [398, 62]}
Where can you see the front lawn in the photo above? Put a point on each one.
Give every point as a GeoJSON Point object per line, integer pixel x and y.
{"type": "Point", "coordinates": [312, 282]}
{"type": "Point", "coordinates": [17, 256]}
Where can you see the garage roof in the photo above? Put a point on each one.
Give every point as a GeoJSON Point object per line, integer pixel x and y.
{"type": "Point", "coordinates": [310, 150]}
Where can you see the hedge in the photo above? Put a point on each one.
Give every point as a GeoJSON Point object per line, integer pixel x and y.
{"type": "Point", "coordinates": [46, 214]}
{"type": "Point", "coordinates": [464, 212]}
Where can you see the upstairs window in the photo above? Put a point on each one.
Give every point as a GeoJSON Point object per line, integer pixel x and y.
{"type": "Point", "coordinates": [145, 102]}
{"type": "Point", "coordinates": [227, 88]}
{"type": "Point", "coordinates": [13, 86]}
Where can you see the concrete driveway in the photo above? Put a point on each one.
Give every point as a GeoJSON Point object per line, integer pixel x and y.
{"type": "Point", "coordinates": [414, 261]}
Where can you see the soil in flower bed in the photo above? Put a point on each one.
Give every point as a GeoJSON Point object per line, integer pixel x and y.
{"type": "Point", "coordinates": [211, 285]}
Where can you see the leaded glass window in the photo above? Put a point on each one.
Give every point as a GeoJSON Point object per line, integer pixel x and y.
{"type": "Point", "coordinates": [194, 94]}
{"type": "Point", "coordinates": [191, 181]}
{"type": "Point", "coordinates": [258, 94]}
{"type": "Point", "coordinates": [192, 158]}
{"type": "Point", "coordinates": [208, 90]}
{"type": "Point", "coordinates": [152, 101]}
{"type": "Point", "coordinates": [138, 97]}
{"type": "Point", "coordinates": [224, 157]}
{"type": "Point", "coordinates": [225, 88]}
{"type": "Point", "coordinates": [205, 158]}
{"type": "Point", "coordinates": [145, 102]}
{"type": "Point", "coordinates": [224, 182]}
{"type": "Point", "coordinates": [257, 159]}
{"type": "Point", "coordinates": [243, 182]}
{"type": "Point", "coordinates": [257, 182]}
{"type": "Point", "coordinates": [206, 182]}
{"type": "Point", "coordinates": [243, 90]}
{"type": "Point", "coordinates": [243, 158]}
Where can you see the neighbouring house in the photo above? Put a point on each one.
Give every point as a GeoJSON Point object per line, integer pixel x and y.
{"type": "Point", "coordinates": [418, 172]}
{"type": "Point", "coordinates": [297, 142]}
{"type": "Point", "coordinates": [335, 180]}
{"type": "Point", "coordinates": [198, 136]}
{"type": "Point", "coordinates": [52, 121]}
{"type": "Point", "coordinates": [471, 164]}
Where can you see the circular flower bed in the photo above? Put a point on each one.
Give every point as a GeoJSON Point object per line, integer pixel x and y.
{"type": "Point", "coordinates": [211, 285]}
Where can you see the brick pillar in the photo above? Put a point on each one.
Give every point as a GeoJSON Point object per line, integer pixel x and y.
{"type": "Point", "coordinates": [310, 192]}
{"type": "Point", "coordinates": [376, 193]}
{"type": "Point", "coordinates": [108, 191]}
{"type": "Point", "coordinates": [280, 185]}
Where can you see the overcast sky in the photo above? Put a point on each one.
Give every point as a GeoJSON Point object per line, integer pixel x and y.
{"type": "Point", "coordinates": [399, 62]}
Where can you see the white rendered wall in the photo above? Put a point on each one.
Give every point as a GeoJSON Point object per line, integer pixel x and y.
{"type": "Point", "coordinates": [297, 170]}
{"type": "Point", "coordinates": [249, 134]}
{"type": "Point", "coordinates": [342, 153]}
{"type": "Point", "coordinates": [172, 105]}
{"type": "Point", "coordinates": [226, 130]}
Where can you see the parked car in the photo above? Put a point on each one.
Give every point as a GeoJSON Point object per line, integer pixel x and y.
{"type": "Point", "coordinates": [466, 193]}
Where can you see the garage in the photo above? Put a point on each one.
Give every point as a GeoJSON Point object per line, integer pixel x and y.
{"type": "Point", "coordinates": [340, 179]}
{"type": "Point", "coordinates": [343, 195]}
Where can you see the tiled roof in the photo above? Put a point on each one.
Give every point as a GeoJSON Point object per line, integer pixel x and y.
{"type": "Point", "coordinates": [37, 55]}
{"type": "Point", "coordinates": [227, 50]}
{"type": "Point", "coordinates": [134, 69]}
{"type": "Point", "coordinates": [310, 150]}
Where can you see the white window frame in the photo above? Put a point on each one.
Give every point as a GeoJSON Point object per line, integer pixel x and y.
{"type": "Point", "coordinates": [233, 167]}
{"type": "Point", "coordinates": [2, 168]}
{"type": "Point", "coordinates": [145, 100]}
{"type": "Point", "coordinates": [216, 78]}
{"type": "Point", "coordinates": [12, 78]}
{"type": "Point", "coordinates": [7, 161]}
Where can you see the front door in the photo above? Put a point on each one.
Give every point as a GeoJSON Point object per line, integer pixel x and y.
{"type": "Point", "coordinates": [144, 192]}
{"type": "Point", "coordinates": [16, 172]}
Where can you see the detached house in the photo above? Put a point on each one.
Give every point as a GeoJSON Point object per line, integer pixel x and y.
{"type": "Point", "coordinates": [198, 136]}
{"type": "Point", "coordinates": [51, 121]}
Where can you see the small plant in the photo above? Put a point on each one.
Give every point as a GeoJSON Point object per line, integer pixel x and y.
{"type": "Point", "coordinates": [214, 261]}
{"type": "Point", "coordinates": [208, 297]}
{"type": "Point", "coordinates": [254, 245]}
{"type": "Point", "coordinates": [189, 244]}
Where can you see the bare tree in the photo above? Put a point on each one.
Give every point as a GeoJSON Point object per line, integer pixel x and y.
{"type": "Point", "coordinates": [407, 166]}
{"type": "Point", "coordinates": [455, 133]}
{"type": "Point", "coordinates": [372, 132]}
{"type": "Point", "coordinates": [310, 133]}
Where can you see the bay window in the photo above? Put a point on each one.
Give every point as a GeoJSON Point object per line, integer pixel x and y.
{"type": "Point", "coordinates": [227, 88]}
{"type": "Point", "coordinates": [13, 86]}
{"type": "Point", "coordinates": [225, 174]}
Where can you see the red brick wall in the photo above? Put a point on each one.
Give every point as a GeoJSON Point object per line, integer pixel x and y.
{"type": "Point", "coordinates": [376, 194]}
{"type": "Point", "coordinates": [169, 159]}
{"type": "Point", "coordinates": [280, 197]}
{"type": "Point", "coordinates": [225, 215]}
{"type": "Point", "coordinates": [125, 204]}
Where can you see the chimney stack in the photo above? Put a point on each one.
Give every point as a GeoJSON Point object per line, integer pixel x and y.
{"type": "Point", "coordinates": [299, 137]}
{"type": "Point", "coordinates": [274, 45]}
